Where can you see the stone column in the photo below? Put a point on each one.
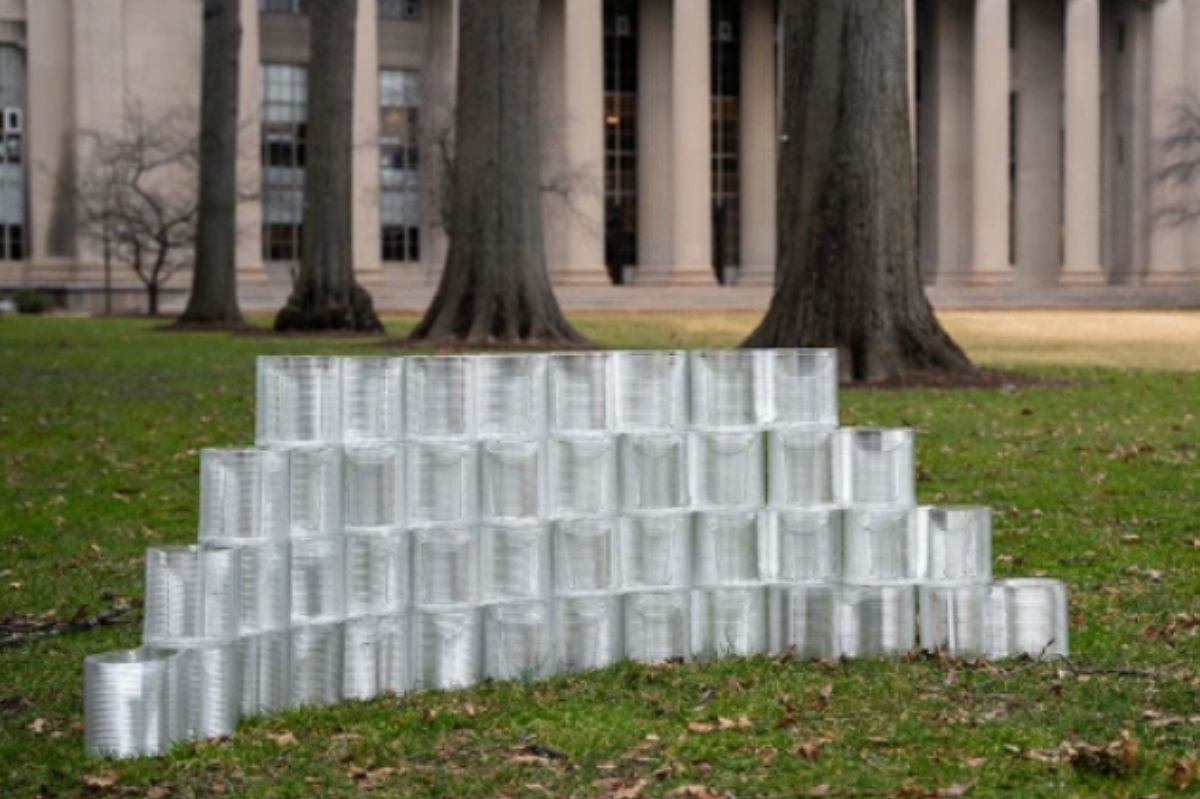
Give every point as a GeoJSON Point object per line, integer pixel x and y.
{"type": "Point", "coordinates": [991, 132]}
{"type": "Point", "coordinates": [364, 214]}
{"type": "Point", "coordinates": [655, 195]}
{"type": "Point", "coordinates": [438, 81]}
{"type": "Point", "coordinates": [1192, 232]}
{"type": "Point", "coordinates": [691, 132]}
{"type": "Point", "coordinates": [1081, 123]}
{"type": "Point", "coordinates": [249, 255]}
{"type": "Point", "coordinates": [573, 95]}
{"type": "Point", "coordinates": [759, 137]}
{"type": "Point", "coordinates": [1168, 82]}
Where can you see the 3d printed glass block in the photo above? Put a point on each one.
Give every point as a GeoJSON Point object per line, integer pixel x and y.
{"type": "Point", "coordinates": [873, 466]}
{"type": "Point", "coordinates": [298, 400]}
{"type": "Point", "coordinates": [585, 555]}
{"type": "Point", "coordinates": [653, 471]}
{"type": "Point", "coordinates": [727, 469]}
{"type": "Point", "coordinates": [212, 689]}
{"type": "Point", "coordinates": [376, 656]}
{"type": "Point", "coordinates": [1034, 620]}
{"type": "Point", "coordinates": [318, 580]}
{"type": "Point", "coordinates": [192, 595]}
{"type": "Point", "coordinates": [443, 481]}
{"type": "Point", "coordinates": [448, 645]}
{"type": "Point", "coordinates": [809, 543]}
{"type": "Point", "coordinates": [518, 641]}
{"type": "Point", "coordinates": [656, 550]}
{"type": "Point", "coordinates": [440, 397]}
{"type": "Point", "coordinates": [266, 588]}
{"type": "Point", "coordinates": [800, 470]}
{"type": "Point", "coordinates": [445, 566]}
{"type": "Point", "coordinates": [265, 665]}
{"type": "Point", "coordinates": [588, 634]}
{"type": "Point", "coordinates": [583, 475]}
{"type": "Point", "coordinates": [959, 543]}
{"type": "Point", "coordinates": [372, 400]}
{"type": "Point", "coordinates": [377, 573]}
{"type": "Point", "coordinates": [729, 621]}
{"type": "Point", "coordinates": [374, 492]}
{"type": "Point", "coordinates": [953, 619]}
{"type": "Point", "coordinates": [129, 701]}
{"type": "Point", "coordinates": [881, 545]}
{"type": "Point", "coordinates": [804, 386]}
{"type": "Point", "coordinates": [729, 388]}
{"type": "Point", "coordinates": [316, 664]}
{"type": "Point", "coordinates": [731, 548]}
{"type": "Point", "coordinates": [243, 494]}
{"type": "Point", "coordinates": [512, 479]}
{"type": "Point", "coordinates": [657, 625]}
{"type": "Point", "coordinates": [514, 561]}
{"type": "Point", "coordinates": [877, 620]}
{"type": "Point", "coordinates": [316, 491]}
{"type": "Point", "coordinates": [581, 391]}
{"type": "Point", "coordinates": [804, 620]}
{"type": "Point", "coordinates": [512, 394]}
{"type": "Point", "coordinates": [651, 390]}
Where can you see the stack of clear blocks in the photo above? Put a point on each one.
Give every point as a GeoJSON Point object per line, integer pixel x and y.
{"type": "Point", "coordinates": [428, 522]}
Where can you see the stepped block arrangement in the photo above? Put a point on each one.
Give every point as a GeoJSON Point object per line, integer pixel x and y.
{"type": "Point", "coordinates": [428, 522]}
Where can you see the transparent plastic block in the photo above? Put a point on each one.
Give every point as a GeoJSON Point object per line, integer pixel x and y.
{"type": "Point", "coordinates": [729, 388]}
{"type": "Point", "coordinates": [589, 634]}
{"type": "Point", "coordinates": [318, 580]}
{"type": "Point", "coordinates": [442, 483]}
{"type": "Point", "coordinates": [212, 689]}
{"type": "Point", "coordinates": [996, 622]}
{"type": "Point", "coordinates": [1035, 617]}
{"type": "Point", "coordinates": [881, 546]}
{"type": "Point", "coordinates": [583, 475]}
{"type": "Point", "coordinates": [653, 471]}
{"type": "Point", "coordinates": [581, 391]}
{"type": "Point", "coordinates": [439, 397]}
{"type": "Point", "coordinates": [192, 595]}
{"type": "Point", "coordinates": [512, 479]}
{"type": "Point", "coordinates": [809, 544]}
{"type": "Point", "coordinates": [512, 395]}
{"type": "Point", "coordinates": [727, 469]}
{"type": "Point", "coordinates": [953, 619]}
{"type": "Point", "coordinates": [731, 548]}
{"type": "Point", "coordinates": [804, 620]}
{"type": "Point", "coordinates": [377, 573]}
{"type": "Point", "coordinates": [372, 400]}
{"type": "Point", "coordinates": [657, 626]}
{"type": "Point", "coordinates": [656, 550]}
{"type": "Point", "coordinates": [800, 468]}
{"type": "Point", "coordinates": [374, 498]}
{"type": "Point", "coordinates": [316, 491]}
{"type": "Point", "coordinates": [265, 665]}
{"type": "Point", "coordinates": [448, 645]}
{"type": "Point", "coordinates": [514, 561]}
{"type": "Point", "coordinates": [316, 659]}
{"type": "Point", "coordinates": [445, 566]}
{"type": "Point", "coordinates": [518, 642]}
{"type": "Point", "coordinates": [376, 656]}
{"type": "Point", "coordinates": [877, 620]}
{"type": "Point", "coordinates": [873, 466]}
{"type": "Point", "coordinates": [243, 495]}
{"type": "Point", "coordinates": [804, 387]}
{"type": "Point", "coordinates": [298, 400]}
{"type": "Point", "coordinates": [266, 588]}
{"type": "Point", "coordinates": [585, 555]}
{"type": "Point", "coordinates": [959, 543]}
{"type": "Point", "coordinates": [729, 621]}
{"type": "Point", "coordinates": [128, 700]}
{"type": "Point", "coordinates": [651, 392]}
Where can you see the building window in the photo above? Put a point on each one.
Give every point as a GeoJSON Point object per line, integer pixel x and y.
{"type": "Point", "coordinates": [399, 164]}
{"type": "Point", "coordinates": [284, 130]}
{"type": "Point", "coordinates": [282, 6]}
{"type": "Point", "coordinates": [620, 136]}
{"type": "Point", "coordinates": [726, 121]}
{"type": "Point", "coordinates": [399, 9]}
{"type": "Point", "coordinates": [12, 153]}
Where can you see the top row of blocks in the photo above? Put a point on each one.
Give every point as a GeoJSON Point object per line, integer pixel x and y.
{"type": "Point", "coordinates": [312, 400]}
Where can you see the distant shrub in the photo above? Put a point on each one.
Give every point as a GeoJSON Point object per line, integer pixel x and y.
{"type": "Point", "coordinates": [32, 301]}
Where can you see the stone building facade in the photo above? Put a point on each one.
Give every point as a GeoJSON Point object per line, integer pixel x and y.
{"type": "Point", "coordinates": [1036, 120]}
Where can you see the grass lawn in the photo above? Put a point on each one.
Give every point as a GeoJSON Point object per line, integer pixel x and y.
{"type": "Point", "coordinates": [1096, 481]}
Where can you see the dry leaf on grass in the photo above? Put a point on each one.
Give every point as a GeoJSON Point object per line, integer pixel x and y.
{"type": "Point", "coordinates": [283, 738]}
{"type": "Point", "coordinates": [1183, 772]}
{"type": "Point", "coordinates": [631, 791]}
{"type": "Point", "coordinates": [694, 792]}
{"type": "Point", "coordinates": [106, 780]}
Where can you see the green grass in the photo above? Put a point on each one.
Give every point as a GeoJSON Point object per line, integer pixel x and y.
{"type": "Point", "coordinates": [1096, 481]}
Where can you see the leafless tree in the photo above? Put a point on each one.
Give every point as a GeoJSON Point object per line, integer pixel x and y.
{"type": "Point", "coordinates": [135, 196]}
{"type": "Point", "coordinates": [847, 274]}
{"type": "Point", "coordinates": [1178, 168]}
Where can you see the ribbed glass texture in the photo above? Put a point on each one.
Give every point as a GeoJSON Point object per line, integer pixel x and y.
{"type": "Point", "coordinates": [589, 634]}
{"type": "Point", "coordinates": [873, 466]}
{"type": "Point", "coordinates": [374, 488]}
{"type": "Point", "coordinates": [877, 620]}
{"type": "Point", "coordinates": [1035, 617]}
{"type": "Point", "coordinates": [653, 471]}
{"type": "Point", "coordinates": [439, 397]}
{"type": "Point", "coordinates": [809, 543]}
{"type": "Point", "coordinates": [515, 561]}
{"type": "Point", "coordinates": [378, 566]}
{"type": "Point", "coordinates": [298, 400]}
{"type": "Point", "coordinates": [192, 595]}
{"type": "Point", "coordinates": [804, 385]}
{"type": "Point", "coordinates": [243, 495]}
{"type": "Point", "coordinates": [585, 555]}
{"type": "Point", "coordinates": [372, 400]}
{"type": "Point", "coordinates": [442, 482]}
{"type": "Point", "coordinates": [512, 479]}
{"type": "Point", "coordinates": [265, 665]}
{"type": "Point", "coordinates": [731, 548]}
{"type": "Point", "coordinates": [958, 541]}
{"type": "Point", "coordinates": [581, 391]}
{"type": "Point", "coordinates": [212, 687]}
{"type": "Point", "coordinates": [656, 550]}
{"type": "Point", "coordinates": [318, 580]}
{"type": "Point", "coordinates": [804, 620]}
{"type": "Point", "coordinates": [727, 469]}
{"type": "Point", "coordinates": [657, 625]}
{"type": "Point", "coordinates": [129, 698]}
{"type": "Point", "coordinates": [953, 619]}
{"type": "Point", "coordinates": [316, 491]}
{"type": "Point", "coordinates": [316, 661]}
{"type": "Point", "coordinates": [445, 566]}
{"type": "Point", "coordinates": [729, 388]}
{"type": "Point", "coordinates": [512, 395]}
{"type": "Point", "coordinates": [729, 621]}
{"type": "Point", "coordinates": [447, 646]}
{"type": "Point", "coordinates": [651, 390]}
{"type": "Point", "coordinates": [518, 641]}
{"type": "Point", "coordinates": [882, 545]}
{"type": "Point", "coordinates": [583, 475]}
{"type": "Point", "coordinates": [800, 467]}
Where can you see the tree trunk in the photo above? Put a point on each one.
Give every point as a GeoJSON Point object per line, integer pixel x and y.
{"type": "Point", "coordinates": [326, 296]}
{"type": "Point", "coordinates": [214, 275]}
{"type": "Point", "coordinates": [847, 274]}
{"type": "Point", "coordinates": [494, 288]}
{"type": "Point", "coordinates": [152, 299]}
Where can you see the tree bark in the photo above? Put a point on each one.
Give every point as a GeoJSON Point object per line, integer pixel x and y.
{"type": "Point", "coordinates": [847, 273]}
{"type": "Point", "coordinates": [494, 288]}
{"type": "Point", "coordinates": [326, 296]}
{"type": "Point", "coordinates": [213, 299]}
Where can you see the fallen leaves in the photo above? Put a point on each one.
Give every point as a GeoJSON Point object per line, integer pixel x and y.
{"type": "Point", "coordinates": [282, 738]}
{"type": "Point", "coordinates": [742, 722]}
{"type": "Point", "coordinates": [811, 749]}
{"type": "Point", "coordinates": [694, 792]}
{"type": "Point", "coordinates": [1183, 772]}
{"type": "Point", "coordinates": [100, 781]}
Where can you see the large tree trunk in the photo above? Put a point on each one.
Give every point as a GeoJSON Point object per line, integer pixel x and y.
{"type": "Point", "coordinates": [847, 274]}
{"type": "Point", "coordinates": [326, 296]}
{"type": "Point", "coordinates": [214, 275]}
{"type": "Point", "coordinates": [494, 288]}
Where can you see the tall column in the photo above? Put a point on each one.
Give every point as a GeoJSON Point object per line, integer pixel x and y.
{"type": "Point", "coordinates": [572, 93]}
{"type": "Point", "coordinates": [438, 81]}
{"type": "Point", "coordinates": [759, 137]}
{"type": "Point", "coordinates": [249, 255]}
{"type": "Point", "coordinates": [1167, 81]}
{"type": "Point", "coordinates": [947, 147]}
{"type": "Point", "coordinates": [991, 78]}
{"type": "Point", "coordinates": [1081, 123]}
{"type": "Point", "coordinates": [691, 133]}
{"type": "Point", "coordinates": [654, 143]}
{"type": "Point", "coordinates": [1192, 232]}
{"type": "Point", "coordinates": [364, 213]}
